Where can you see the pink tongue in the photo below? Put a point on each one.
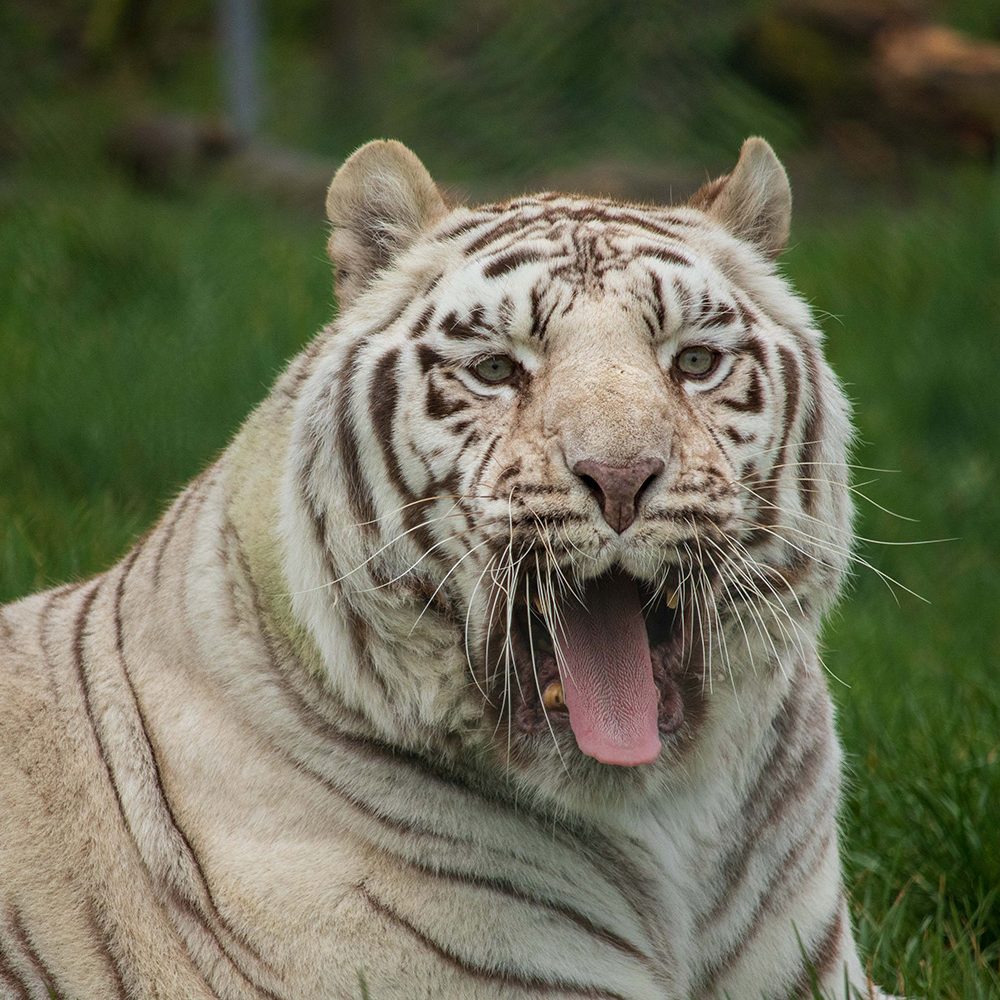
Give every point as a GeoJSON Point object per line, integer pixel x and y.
{"type": "Point", "coordinates": [607, 674]}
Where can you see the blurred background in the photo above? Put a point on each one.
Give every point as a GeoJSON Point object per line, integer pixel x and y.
{"type": "Point", "coordinates": [162, 168]}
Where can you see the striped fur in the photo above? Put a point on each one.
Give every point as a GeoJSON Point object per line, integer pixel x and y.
{"type": "Point", "coordinates": [270, 753]}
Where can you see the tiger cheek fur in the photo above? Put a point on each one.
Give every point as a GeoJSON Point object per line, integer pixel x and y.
{"type": "Point", "coordinates": [483, 663]}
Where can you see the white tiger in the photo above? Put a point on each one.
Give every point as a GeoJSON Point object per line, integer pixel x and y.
{"type": "Point", "coordinates": [483, 662]}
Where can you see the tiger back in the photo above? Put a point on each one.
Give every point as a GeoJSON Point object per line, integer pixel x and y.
{"type": "Point", "coordinates": [483, 663]}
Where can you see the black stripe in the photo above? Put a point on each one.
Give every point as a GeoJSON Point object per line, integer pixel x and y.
{"type": "Point", "coordinates": [651, 327]}
{"type": "Point", "coordinates": [536, 311]}
{"type": "Point", "coordinates": [502, 228]}
{"type": "Point", "coordinates": [9, 977]}
{"type": "Point", "coordinates": [168, 529]}
{"type": "Point", "coordinates": [764, 792]}
{"type": "Point", "coordinates": [104, 946]}
{"type": "Point", "coordinates": [301, 368]}
{"type": "Point", "coordinates": [698, 514]}
{"type": "Point", "coordinates": [812, 433]}
{"type": "Point", "coordinates": [473, 328]}
{"type": "Point", "coordinates": [683, 297]}
{"type": "Point", "coordinates": [507, 262]}
{"type": "Point", "coordinates": [16, 989]}
{"type": "Point", "coordinates": [467, 225]}
{"type": "Point", "coordinates": [317, 517]}
{"type": "Point", "coordinates": [361, 636]}
{"type": "Point", "coordinates": [722, 315]}
{"type": "Point", "coordinates": [383, 396]}
{"type": "Point", "coordinates": [439, 407]}
{"type": "Point", "coordinates": [546, 317]}
{"type": "Point", "coordinates": [659, 300]}
{"type": "Point", "coordinates": [359, 492]}
{"type": "Point", "coordinates": [432, 284]}
{"type": "Point", "coordinates": [662, 226]}
{"type": "Point", "coordinates": [44, 619]}
{"type": "Point", "coordinates": [23, 945]}
{"type": "Point", "coordinates": [766, 515]}
{"type": "Point", "coordinates": [427, 358]}
{"type": "Point", "coordinates": [213, 913]}
{"type": "Point", "coordinates": [753, 345]}
{"type": "Point", "coordinates": [485, 460]}
{"type": "Point", "coordinates": [753, 402]}
{"type": "Point", "coordinates": [79, 662]}
{"type": "Point", "coordinates": [543, 489]}
{"type": "Point", "coordinates": [507, 888]}
{"type": "Point", "coordinates": [422, 323]}
{"type": "Point", "coordinates": [736, 437]}
{"type": "Point", "coordinates": [792, 380]}
{"type": "Point", "coordinates": [821, 958]}
{"type": "Point", "coordinates": [664, 254]}
{"type": "Point", "coordinates": [484, 973]}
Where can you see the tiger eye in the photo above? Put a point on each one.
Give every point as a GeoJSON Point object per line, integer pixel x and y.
{"type": "Point", "coordinates": [495, 369]}
{"type": "Point", "coordinates": [697, 361]}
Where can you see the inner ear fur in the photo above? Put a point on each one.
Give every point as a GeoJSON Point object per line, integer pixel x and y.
{"type": "Point", "coordinates": [378, 203]}
{"type": "Point", "coordinates": [754, 201]}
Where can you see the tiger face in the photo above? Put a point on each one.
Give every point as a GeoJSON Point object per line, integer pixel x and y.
{"type": "Point", "coordinates": [567, 465]}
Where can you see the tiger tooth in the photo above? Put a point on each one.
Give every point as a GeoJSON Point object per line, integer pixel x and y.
{"type": "Point", "coordinates": [552, 696]}
{"type": "Point", "coordinates": [672, 598]}
{"type": "Point", "coordinates": [537, 603]}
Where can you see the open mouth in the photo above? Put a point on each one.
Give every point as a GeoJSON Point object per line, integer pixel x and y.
{"type": "Point", "coordinates": [608, 664]}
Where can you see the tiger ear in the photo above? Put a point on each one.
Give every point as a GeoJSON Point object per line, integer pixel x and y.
{"type": "Point", "coordinates": [754, 202]}
{"type": "Point", "coordinates": [378, 202]}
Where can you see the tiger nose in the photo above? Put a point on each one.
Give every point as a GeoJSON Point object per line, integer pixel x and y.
{"type": "Point", "coordinates": [618, 488]}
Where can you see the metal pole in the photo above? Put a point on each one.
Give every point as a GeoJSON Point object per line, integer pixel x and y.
{"type": "Point", "coordinates": [239, 44]}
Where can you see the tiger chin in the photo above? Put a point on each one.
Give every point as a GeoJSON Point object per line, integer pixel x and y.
{"type": "Point", "coordinates": [483, 663]}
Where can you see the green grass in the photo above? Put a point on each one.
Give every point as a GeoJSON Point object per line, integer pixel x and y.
{"type": "Point", "coordinates": [137, 330]}
{"type": "Point", "coordinates": [916, 292]}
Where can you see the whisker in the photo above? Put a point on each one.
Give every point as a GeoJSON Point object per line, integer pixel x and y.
{"type": "Point", "coordinates": [376, 553]}
{"type": "Point", "coordinates": [444, 580]}
{"type": "Point", "coordinates": [724, 571]}
{"type": "Point", "coordinates": [421, 500]}
{"type": "Point", "coordinates": [534, 670]}
{"type": "Point", "coordinates": [723, 644]}
{"type": "Point", "coordinates": [409, 569]}
{"type": "Point", "coordinates": [748, 564]}
{"type": "Point", "coordinates": [846, 486]}
{"type": "Point", "coordinates": [468, 652]}
{"type": "Point", "coordinates": [836, 550]}
{"type": "Point", "coordinates": [834, 465]}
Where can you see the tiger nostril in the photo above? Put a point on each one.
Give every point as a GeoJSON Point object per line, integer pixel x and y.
{"type": "Point", "coordinates": [641, 492]}
{"type": "Point", "coordinates": [594, 488]}
{"type": "Point", "coordinates": [618, 489]}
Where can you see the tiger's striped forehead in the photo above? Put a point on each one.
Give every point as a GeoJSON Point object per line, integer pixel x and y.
{"type": "Point", "coordinates": [520, 266]}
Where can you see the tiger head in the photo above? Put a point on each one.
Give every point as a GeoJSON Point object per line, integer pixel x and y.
{"type": "Point", "coordinates": [561, 467]}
